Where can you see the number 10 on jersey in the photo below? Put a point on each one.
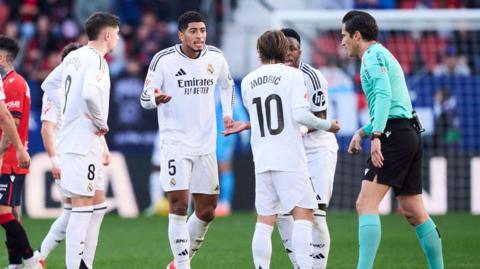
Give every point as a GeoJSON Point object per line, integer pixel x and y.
{"type": "Point", "coordinates": [272, 98]}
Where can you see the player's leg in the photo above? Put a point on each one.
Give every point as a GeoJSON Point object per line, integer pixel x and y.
{"type": "Point", "coordinates": [178, 233]}
{"type": "Point", "coordinates": [76, 231]}
{"type": "Point", "coordinates": [267, 205]}
{"type": "Point", "coordinates": [204, 188]}
{"type": "Point", "coordinates": [91, 239]}
{"type": "Point", "coordinates": [285, 227]}
{"type": "Point", "coordinates": [225, 150]}
{"type": "Point", "coordinates": [369, 228]}
{"type": "Point", "coordinates": [56, 234]}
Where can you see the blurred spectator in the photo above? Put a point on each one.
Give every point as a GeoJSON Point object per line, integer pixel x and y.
{"type": "Point", "coordinates": [452, 64]}
{"type": "Point", "coordinates": [375, 4]}
{"type": "Point", "coordinates": [446, 127]}
{"type": "Point", "coordinates": [84, 8]}
{"type": "Point", "coordinates": [402, 45]}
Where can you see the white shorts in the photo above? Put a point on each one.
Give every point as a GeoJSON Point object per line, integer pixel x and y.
{"type": "Point", "coordinates": [82, 175]}
{"type": "Point", "coordinates": [278, 192]}
{"type": "Point", "coordinates": [196, 173]}
{"type": "Point", "coordinates": [321, 167]}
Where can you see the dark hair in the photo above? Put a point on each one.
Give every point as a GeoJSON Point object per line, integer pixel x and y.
{"type": "Point", "coordinates": [289, 32]}
{"type": "Point", "coordinates": [10, 46]}
{"type": "Point", "coordinates": [69, 48]}
{"type": "Point", "coordinates": [188, 17]}
{"type": "Point", "coordinates": [99, 20]}
{"type": "Point", "coordinates": [272, 45]}
{"type": "Point", "coordinates": [362, 22]}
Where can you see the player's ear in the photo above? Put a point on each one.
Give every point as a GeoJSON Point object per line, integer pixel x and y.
{"type": "Point", "coordinates": [181, 36]}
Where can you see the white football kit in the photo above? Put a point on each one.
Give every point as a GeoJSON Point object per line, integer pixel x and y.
{"type": "Point", "coordinates": [321, 146]}
{"type": "Point", "coordinates": [270, 94]}
{"type": "Point", "coordinates": [80, 89]}
{"type": "Point", "coordinates": [187, 122]}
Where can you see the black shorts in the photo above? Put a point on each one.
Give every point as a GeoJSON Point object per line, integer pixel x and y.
{"type": "Point", "coordinates": [402, 153]}
{"type": "Point", "coordinates": [11, 189]}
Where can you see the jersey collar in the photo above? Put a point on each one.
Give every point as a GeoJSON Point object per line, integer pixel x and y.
{"type": "Point", "coordinates": [178, 48]}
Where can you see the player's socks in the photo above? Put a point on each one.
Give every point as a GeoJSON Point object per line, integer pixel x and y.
{"type": "Point", "coordinates": [197, 229]}
{"type": "Point", "coordinates": [15, 266]}
{"type": "Point", "coordinates": [302, 243]}
{"type": "Point", "coordinates": [285, 227]}
{"type": "Point", "coordinates": [227, 181]}
{"type": "Point", "coordinates": [179, 240]}
{"type": "Point", "coordinates": [91, 239]}
{"type": "Point", "coordinates": [431, 244]}
{"type": "Point", "coordinates": [14, 253]}
{"type": "Point", "coordinates": [369, 235]}
{"type": "Point", "coordinates": [16, 234]}
{"type": "Point", "coordinates": [56, 234]}
{"type": "Point", "coordinates": [262, 245]}
{"type": "Point", "coordinates": [76, 233]}
{"type": "Point", "coordinates": [320, 239]}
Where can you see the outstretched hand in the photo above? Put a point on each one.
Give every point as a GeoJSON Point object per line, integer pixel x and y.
{"type": "Point", "coordinates": [161, 98]}
{"type": "Point", "coordinates": [237, 127]}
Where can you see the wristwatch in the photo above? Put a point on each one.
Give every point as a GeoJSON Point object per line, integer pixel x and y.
{"type": "Point", "coordinates": [375, 135]}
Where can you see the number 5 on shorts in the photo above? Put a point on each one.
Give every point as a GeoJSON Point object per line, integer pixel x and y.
{"type": "Point", "coordinates": [172, 170]}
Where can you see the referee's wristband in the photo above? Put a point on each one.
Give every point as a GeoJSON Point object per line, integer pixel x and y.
{"type": "Point", "coordinates": [375, 135]}
{"type": "Point", "coordinates": [55, 161]}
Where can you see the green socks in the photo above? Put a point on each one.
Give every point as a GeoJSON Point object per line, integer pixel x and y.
{"type": "Point", "coordinates": [431, 244]}
{"type": "Point", "coordinates": [369, 234]}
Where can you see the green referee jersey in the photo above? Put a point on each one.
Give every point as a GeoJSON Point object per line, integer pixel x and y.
{"type": "Point", "coordinates": [383, 83]}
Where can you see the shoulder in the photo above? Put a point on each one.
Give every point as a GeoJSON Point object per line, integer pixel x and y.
{"type": "Point", "coordinates": [375, 55]}
{"type": "Point", "coordinates": [313, 75]}
{"type": "Point", "coordinates": [15, 82]}
{"type": "Point", "coordinates": [213, 52]}
{"type": "Point", "coordinates": [161, 55]}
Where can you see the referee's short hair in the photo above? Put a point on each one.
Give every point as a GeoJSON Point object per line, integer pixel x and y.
{"type": "Point", "coordinates": [272, 45]}
{"type": "Point", "coordinates": [289, 32]}
{"type": "Point", "coordinates": [10, 46]}
{"type": "Point", "coordinates": [362, 22]}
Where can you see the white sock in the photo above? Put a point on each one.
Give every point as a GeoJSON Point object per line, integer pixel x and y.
{"type": "Point", "coordinates": [28, 262]}
{"type": "Point", "coordinates": [302, 243]}
{"type": "Point", "coordinates": [179, 240]}
{"type": "Point", "coordinates": [76, 233]}
{"type": "Point", "coordinates": [197, 229]}
{"type": "Point", "coordinates": [91, 239]}
{"type": "Point", "coordinates": [262, 245]}
{"type": "Point", "coordinates": [15, 266]}
{"type": "Point", "coordinates": [56, 234]}
{"type": "Point", "coordinates": [285, 227]}
{"type": "Point", "coordinates": [320, 240]}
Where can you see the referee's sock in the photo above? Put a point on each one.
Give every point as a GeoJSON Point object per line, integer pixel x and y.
{"type": "Point", "coordinates": [369, 235]}
{"type": "Point", "coordinates": [431, 244]}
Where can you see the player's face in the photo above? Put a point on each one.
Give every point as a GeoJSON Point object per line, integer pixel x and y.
{"type": "Point", "coordinates": [112, 37]}
{"type": "Point", "coordinates": [349, 42]}
{"type": "Point", "coordinates": [293, 54]}
{"type": "Point", "coordinates": [194, 36]}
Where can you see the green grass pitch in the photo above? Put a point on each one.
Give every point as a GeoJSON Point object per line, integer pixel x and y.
{"type": "Point", "coordinates": [143, 244]}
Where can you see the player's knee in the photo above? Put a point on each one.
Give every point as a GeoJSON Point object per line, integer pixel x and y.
{"type": "Point", "coordinates": [179, 208]}
{"type": "Point", "coordinates": [415, 218]}
{"type": "Point", "coordinates": [206, 214]}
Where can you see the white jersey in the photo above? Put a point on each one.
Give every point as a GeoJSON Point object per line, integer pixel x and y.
{"type": "Point", "coordinates": [187, 123]}
{"type": "Point", "coordinates": [270, 94]}
{"type": "Point", "coordinates": [50, 112]}
{"type": "Point", "coordinates": [317, 89]}
{"type": "Point", "coordinates": [80, 89]}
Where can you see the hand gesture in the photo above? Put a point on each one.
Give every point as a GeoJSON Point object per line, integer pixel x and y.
{"type": "Point", "coordinates": [23, 158]}
{"type": "Point", "coordinates": [160, 97]}
{"type": "Point", "coordinates": [237, 127]}
{"type": "Point", "coordinates": [376, 151]}
{"type": "Point", "coordinates": [335, 127]}
{"type": "Point", "coordinates": [355, 144]}
{"type": "Point", "coordinates": [106, 158]}
{"type": "Point", "coordinates": [227, 122]}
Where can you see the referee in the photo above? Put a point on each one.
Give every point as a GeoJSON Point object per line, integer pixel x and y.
{"type": "Point", "coordinates": [396, 148]}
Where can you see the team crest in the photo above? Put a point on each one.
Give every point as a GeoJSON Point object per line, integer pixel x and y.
{"type": "Point", "coordinates": [90, 186]}
{"type": "Point", "coordinates": [210, 68]}
{"type": "Point", "coordinates": [173, 182]}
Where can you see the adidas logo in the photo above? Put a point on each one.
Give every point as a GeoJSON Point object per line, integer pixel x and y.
{"type": "Point", "coordinates": [183, 253]}
{"type": "Point", "coordinates": [180, 73]}
{"type": "Point", "coordinates": [319, 256]}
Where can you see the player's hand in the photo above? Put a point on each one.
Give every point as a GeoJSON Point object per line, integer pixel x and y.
{"type": "Point", "coordinates": [237, 127]}
{"type": "Point", "coordinates": [23, 158]}
{"type": "Point", "coordinates": [376, 151]}
{"type": "Point", "coordinates": [227, 122]}
{"type": "Point", "coordinates": [355, 144]}
{"type": "Point", "coordinates": [335, 127]}
{"type": "Point", "coordinates": [106, 158]}
{"type": "Point", "coordinates": [56, 173]}
{"type": "Point", "coordinates": [160, 97]}
{"type": "Point", "coordinates": [101, 131]}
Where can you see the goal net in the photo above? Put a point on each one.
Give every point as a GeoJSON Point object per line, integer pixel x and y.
{"type": "Point", "coordinates": [439, 51]}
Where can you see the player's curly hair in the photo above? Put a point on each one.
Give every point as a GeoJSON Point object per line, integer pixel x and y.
{"type": "Point", "coordinates": [188, 17]}
{"type": "Point", "coordinates": [99, 20]}
{"type": "Point", "coordinates": [69, 48]}
{"type": "Point", "coordinates": [10, 46]}
{"type": "Point", "coordinates": [289, 32]}
{"type": "Point", "coordinates": [272, 45]}
{"type": "Point", "coordinates": [362, 22]}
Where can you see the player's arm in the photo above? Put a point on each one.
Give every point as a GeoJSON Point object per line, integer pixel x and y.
{"type": "Point", "coordinates": [152, 94]}
{"type": "Point", "coordinates": [10, 136]}
{"type": "Point", "coordinates": [301, 109]}
{"type": "Point", "coordinates": [52, 86]}
{"type": "Point", "coordinates": [239, 126]}
{"type": "Point", "coordinates": [227, 94]}
{"type": "Point", "coordinates": [106, 156]}
{"type": "Point", "coordinates": [91, 95]}
{"type": "Point", "coordinates": [49, 123]}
